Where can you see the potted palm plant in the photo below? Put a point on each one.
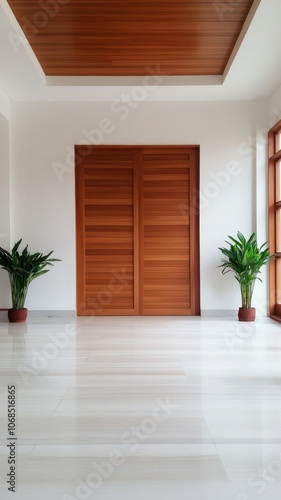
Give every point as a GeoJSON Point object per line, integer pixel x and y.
{"type": "Point", "coordinates": [22, 267]}
{"type": "Point", "coordinates": [244, 258]}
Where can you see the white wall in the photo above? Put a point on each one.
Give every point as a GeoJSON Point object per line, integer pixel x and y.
{"type": "Point", "coordinates": [42, 140]}
{"type": "Point", "coordinates": [4, 105]}
{"type": "Point", "coordinates": [274, 107]}
{"type": "Point", "coordinates": [5, 206]}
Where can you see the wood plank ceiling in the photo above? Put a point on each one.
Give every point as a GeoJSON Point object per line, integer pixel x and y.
{"type": "Point", "coordinates": [126, 37]}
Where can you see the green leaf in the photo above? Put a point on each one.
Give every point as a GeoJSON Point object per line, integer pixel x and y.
{"type": "Point", "coordinates": [245, 259]}
{"type": "Point", "coordinates": [23, 268]}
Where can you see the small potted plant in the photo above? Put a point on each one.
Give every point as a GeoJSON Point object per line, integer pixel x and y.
{"type": "Point", "coordinates": [22, 268]}
{"type": "Point", "coordinates": [244, 258]}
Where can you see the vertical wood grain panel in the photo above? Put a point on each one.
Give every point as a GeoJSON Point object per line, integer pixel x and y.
{"type": "Point", "coordinates": [193, 209]}
{"type": "Point", "coordinates": [80, 231]}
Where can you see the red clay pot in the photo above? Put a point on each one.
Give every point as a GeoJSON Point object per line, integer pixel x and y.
{"type": "Point", "coordinates": [17, 315]}
{"type": "Point", "coordinates": [247, 314]}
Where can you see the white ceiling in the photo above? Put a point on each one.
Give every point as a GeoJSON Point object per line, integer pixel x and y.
{"type": "Point", "coordinates": [255, 71]}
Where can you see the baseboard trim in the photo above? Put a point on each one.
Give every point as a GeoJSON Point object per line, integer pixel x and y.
{"type": "Point", "coordinates": [52, 313]}
{"type": "Point", "coordinates": [69, 313]}
{"type": "Point", "coordinates": [219, 313]}
{"type": "Point", "coordinates": [44, 314]}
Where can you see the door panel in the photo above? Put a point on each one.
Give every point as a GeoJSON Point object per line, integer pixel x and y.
{"type": "Point", "coordinates": [105, 233]}
{"type": "Point", "coordinates": [165, 266]}
{"type": "Point", "coordinates": [137, 231]}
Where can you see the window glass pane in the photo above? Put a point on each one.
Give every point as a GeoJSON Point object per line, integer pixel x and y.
{"type": "Point", "coordinates": [277, 141]}
{"type": "Point", "coordinates": [278, 230]}
{"type": "Point", "coordinates": [278, 181]}
{"type": "Point", "coordinates": [278, 281]}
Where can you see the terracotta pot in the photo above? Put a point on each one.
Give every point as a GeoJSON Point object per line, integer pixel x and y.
{"type": "Point", "coordinates": [247, 314]}
{"type": "Point", "coordinates": [17, 315]}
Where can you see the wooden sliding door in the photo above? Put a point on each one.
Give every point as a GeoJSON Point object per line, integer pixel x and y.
{"type": "Point", "coordinates": [167, 232]}
{"type": "Point", "coordinates": [137, 226]}
{"type": "Point", "coordinates": [106, 232]}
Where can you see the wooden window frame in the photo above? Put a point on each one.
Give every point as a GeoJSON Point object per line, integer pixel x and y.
{"type": "Point", "coordinates": [274, 214]}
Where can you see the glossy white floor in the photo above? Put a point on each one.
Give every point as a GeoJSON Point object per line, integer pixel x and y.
{"type": "Point", "coordinates": [142, 408]}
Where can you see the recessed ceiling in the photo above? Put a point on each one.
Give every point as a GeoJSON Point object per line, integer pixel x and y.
{"type": "Point", "coordinates": [126, 37]}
